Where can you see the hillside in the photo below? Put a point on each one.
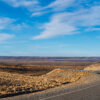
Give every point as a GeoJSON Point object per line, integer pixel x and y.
{"type": "Point", "coordinates": [14, 83]}
{"type": "Point", "coordinates": [93, 67]}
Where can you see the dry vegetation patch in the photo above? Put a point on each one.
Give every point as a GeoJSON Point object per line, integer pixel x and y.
{"type": "Point", "coordinates": [94, 67]}
{"type": "Point", "coordinates": [14, 83]}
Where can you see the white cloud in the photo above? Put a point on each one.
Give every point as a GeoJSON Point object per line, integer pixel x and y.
{"type": "Point", "coordinates": [92, 29]}
{"type": "Point", "coordinates": [39, 13]}
{"type": "Point", "coordinates": [59, 5]}
{"type": "Point", "coordinates": [55, 6]}
{"type": "Point", "coordinates": [54, 28]}
{"type": "Point", "coordinates": [9, 23]}
{"type": "Point", "coordinates": [34, 5]}
{"type": "Point", "coordinates": [4, 36]}
{"type": "Point", "coordinates": [18, 3]}
{"type": "Point", "coordinates": [89, 17]}
{"type": "Point", "coordinates": [5, 22]}
{"type": "Point", "coordinates": [37, 10]}
{"type": "Point", "coordinates": [69, 23]}
{"type": "Point", "coordinates": [29, 4]}
{"type": "Point", "coordinates": [18, 26]}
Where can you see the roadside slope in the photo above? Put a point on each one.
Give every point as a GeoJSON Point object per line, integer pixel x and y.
{"type": "Point", "coordinates": [15, 84]}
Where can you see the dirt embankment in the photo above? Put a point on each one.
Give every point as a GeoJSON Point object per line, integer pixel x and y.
{"type": "Point", "coordinates": [14, 83]}
{"type": "Point", "coordinates": [94, 67]}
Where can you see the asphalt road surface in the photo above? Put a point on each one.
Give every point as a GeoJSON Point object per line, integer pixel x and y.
{"type": "Point", "coordinates": [87, 93]}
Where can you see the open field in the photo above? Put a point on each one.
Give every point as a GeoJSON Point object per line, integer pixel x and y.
{"type": "Point", "coordinates": [40, 65]}
{"type": "Point", "coordinates": [19, 76]}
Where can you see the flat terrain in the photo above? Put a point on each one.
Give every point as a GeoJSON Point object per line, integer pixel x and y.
{"type": "Point", "coordinates": [36, 66]}
{"type": "Point", "coordinates": [19, 75]}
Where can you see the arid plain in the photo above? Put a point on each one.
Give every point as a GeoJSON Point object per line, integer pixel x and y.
{"type": "Point", "coordinates": [19, 75]}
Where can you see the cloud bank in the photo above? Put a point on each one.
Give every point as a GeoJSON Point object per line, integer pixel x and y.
{"type": "Point", "coordinates": [70, 22]}
{"type": "Point", "coordinates": [29, 4]}
{"type": "Point", "coordinates": [65, 19]}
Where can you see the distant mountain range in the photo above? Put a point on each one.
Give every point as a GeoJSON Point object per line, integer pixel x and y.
{"type": "Point", "coordinates": [75, 59]}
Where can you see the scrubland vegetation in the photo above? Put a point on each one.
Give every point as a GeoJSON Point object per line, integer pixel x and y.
{"type": "Point", "coordinates": [19, 76]}
{"type": "Point", "coordinates": [36, 68]}
{"type": "Point", "coordinates": [11, 84]}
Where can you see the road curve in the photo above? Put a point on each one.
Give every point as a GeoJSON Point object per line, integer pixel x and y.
{"type": "Point", "coordinates": [90, 91]}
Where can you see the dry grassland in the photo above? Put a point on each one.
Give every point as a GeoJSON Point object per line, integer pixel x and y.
{"type": "Point", "coordinates": [94, 67]}
{"type": "Point", "coordinates": [14, 83]}
{"type": "Point", "coordinates": [18, 77]}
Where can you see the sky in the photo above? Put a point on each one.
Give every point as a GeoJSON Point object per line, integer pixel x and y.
{"type": "Point", "coordinates": [50, 28]}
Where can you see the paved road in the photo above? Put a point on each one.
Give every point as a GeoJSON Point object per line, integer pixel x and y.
{"type": "Point", "coordinates": [88, 93]}
{"type": "Point", "coordinates": [82, 92]}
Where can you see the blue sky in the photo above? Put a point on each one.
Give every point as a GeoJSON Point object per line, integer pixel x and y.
{"type": "Point", "coordinates": [49, 28]}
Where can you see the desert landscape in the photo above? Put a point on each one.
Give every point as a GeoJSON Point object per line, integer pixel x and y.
{"type": "Point", "coordinates": [49, 50]}
{"type": "Point", "coordinates": [29, 75]}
